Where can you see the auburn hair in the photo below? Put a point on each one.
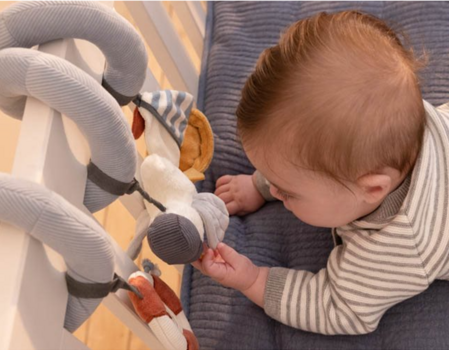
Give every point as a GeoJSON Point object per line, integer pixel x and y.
{"type": "Point", "coordinates": [338, 94]}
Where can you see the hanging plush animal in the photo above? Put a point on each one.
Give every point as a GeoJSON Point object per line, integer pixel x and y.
{"type": "Point", "coordinates": [177, 136]}
{"type": "Point", "coordinates": [161, 309]}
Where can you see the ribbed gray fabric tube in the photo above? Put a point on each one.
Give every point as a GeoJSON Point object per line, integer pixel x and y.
{"type": "Point", "coordinates": [71, 91]}
{"type": "Point", "coordinates": [25, 24]}
{"type": "Point", "coordinates": [83, 243]}
{"type": "Point", "coordinates": [174, 239]}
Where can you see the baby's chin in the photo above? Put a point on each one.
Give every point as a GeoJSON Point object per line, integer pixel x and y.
{"type": "Point", "coordinates": [320, 222]}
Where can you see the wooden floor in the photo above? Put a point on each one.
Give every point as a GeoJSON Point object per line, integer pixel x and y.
{"type": "Point", "coordinates": [102, 331]}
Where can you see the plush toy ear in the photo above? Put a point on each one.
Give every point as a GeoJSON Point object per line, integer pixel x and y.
{"type": "Point", "coordinates": [197, 148]}
{"type": "Point", "coordinates": [138, 126]}
{"type": "Point", "coordinates": [214, 214]}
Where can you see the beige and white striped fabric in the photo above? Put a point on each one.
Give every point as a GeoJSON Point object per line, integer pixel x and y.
{"type": "Point", "coordinates": [387, 257]}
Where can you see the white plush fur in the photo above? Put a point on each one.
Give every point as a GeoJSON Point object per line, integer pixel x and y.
{"type": "Point", "coordinates": [166, 183]}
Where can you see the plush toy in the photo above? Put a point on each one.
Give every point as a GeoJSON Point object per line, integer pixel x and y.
{"type": "Point", "coordinates": [161, 309]}
{"type": "Point", "coordinates": [176, 136]}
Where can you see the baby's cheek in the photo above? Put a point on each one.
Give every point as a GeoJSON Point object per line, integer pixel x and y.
{"type": "Point", "coordinates": [306, 213]}
{"type": "Point", "coordinates": [298, 209]}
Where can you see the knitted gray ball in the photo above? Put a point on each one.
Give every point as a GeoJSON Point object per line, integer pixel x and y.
{"type": "Point", "coordinates": [174, 239]}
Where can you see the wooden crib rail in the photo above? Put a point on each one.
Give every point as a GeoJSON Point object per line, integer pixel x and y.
{"type": "Point", "coordinates": [52, 151]}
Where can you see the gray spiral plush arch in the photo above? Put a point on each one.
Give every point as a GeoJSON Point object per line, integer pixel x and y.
{"type": "Point", "coordinates": [26, 24]}
{"type": "Point", "coordinates": [74, 93]}
{"type": "Point", "coordinates": [82, 242]}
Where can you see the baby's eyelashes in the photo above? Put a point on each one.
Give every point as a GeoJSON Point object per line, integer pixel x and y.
{"type": "Point", "coordinates": [279, 194]}
{"type": "Point", "coordinates": [284, 195]}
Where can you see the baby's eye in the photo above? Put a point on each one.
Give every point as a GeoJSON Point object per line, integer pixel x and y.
{"type": "Point", "coordinates": [284, 195]}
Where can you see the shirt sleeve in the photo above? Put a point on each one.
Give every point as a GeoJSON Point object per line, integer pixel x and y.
{"type": "Point", "coordinates": [364, 277]}
{"type": "Point", "coordinates": [263, 186]}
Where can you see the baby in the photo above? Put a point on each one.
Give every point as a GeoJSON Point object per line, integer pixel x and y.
{"type": "Point", "coordinates": [333, 120]}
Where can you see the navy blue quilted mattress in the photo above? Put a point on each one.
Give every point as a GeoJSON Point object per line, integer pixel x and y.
{"type": "Point", "coordinates": [222, 318]}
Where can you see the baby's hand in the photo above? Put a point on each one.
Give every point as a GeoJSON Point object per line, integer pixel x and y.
{"type": "Point", "coordinates": [239, 194]}
{"type": "Point", "coordinates": [228, 267]}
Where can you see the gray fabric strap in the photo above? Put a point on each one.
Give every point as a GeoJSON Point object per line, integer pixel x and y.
{"type": "Point", "coordinates": [121, 99]}
{"type": "Point", "coordinates": [97, 290]}
{"type": "Point", "coordinates": [118, 188]}
{"type": "Point", "coordinates": [141, 103]}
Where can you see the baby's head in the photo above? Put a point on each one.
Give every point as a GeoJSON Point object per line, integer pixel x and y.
{"type": "Point", "coordinates": [333, 116]}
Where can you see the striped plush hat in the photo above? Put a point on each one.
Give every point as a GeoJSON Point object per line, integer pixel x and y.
{"type": "Point", "coordinates": [171, 108]}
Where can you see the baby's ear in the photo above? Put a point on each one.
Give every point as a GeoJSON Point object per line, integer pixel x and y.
{"type": "Point", "coordinates": [374, 187]}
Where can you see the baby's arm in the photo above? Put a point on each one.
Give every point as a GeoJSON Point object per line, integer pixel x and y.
{"type": "Point", "coordinates": [345, 298]}
{"type": "Point", "coordinates": [243, 194]}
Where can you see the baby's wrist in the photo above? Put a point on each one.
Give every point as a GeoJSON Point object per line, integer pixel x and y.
{"type": "Point", "coordinates": [255, 271]}
{"type": "Point", "coordinates": [256, 291]}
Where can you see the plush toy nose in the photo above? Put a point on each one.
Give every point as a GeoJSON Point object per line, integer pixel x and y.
{"type": "Point", "coordinates": [174, 239]}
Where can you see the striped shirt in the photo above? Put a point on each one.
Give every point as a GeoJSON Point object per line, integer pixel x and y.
{"type": "Point", "coordinates": [391, 255]}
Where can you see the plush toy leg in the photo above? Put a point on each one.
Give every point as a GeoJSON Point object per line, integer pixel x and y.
{"type": "Point", "coordinates": [167, 295]}
{"type": "Point", "coordinates": [170, 299]}
{"type": "Point", "coordinates": [192, 342]}
{"type": "Point", "coordinates": [152, 310]}
{"type": "Point", "coordinates": [174, 239]}
{"type": "Point", "coordinates": [151, 305]}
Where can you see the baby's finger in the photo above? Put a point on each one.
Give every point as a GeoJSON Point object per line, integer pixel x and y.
{"type": "Point", "coordinates": [197, 265]}
{"type": "Point", "coordinates": [228, 254]}
{"type": "Point", "coordinates": [209, 265]}
{"type": "Point", "coordinates": [208, 259]}
{"type": "Point", "coordinates": [214, 269]}
{"type": "Point", "coordinates": [222, 189]}
{"type": "Point", "coordinates": [223, 180]}
{"type": "Point", "coordinates": [218, 257]}
{"type": "Point", "coordinates": [233, 208]}
{"type": "Point", "coordinates": [226, 197]}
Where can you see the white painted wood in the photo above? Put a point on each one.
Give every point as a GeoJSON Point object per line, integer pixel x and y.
{"type": "Point", "coordinates": [150, 83]}
{"type": "Point", "coordinates": [191, 22]}
{"type": "Point", "coordinates": [32, 275]}
{"type": "Point", "coordinates": [134, 202]}
{"type": "Point", "coordinates": [199, 15]}
{"type": "Point", "coordinates": [54, 153]}
{"type": "Point", "coordinates": [70, 342]}
{"type": "Point", "coordinates": [161, 37]}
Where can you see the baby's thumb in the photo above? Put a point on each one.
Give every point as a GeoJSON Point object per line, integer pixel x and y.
{"type": "Point", "coordinates": [227, 253]}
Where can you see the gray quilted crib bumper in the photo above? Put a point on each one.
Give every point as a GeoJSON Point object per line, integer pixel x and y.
{"type": "Point", "coordinates": [236, 33]}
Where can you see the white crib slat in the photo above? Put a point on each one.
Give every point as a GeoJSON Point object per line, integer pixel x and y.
{"type": "Point", "coordinates": [25, 297]}
{"type": "Point", "coordinates": [69, 342]}
{"type": "Point", "coordinates": [199, 15]}
{"type": "Point", "coordinates": [150, 83]}
{"type": "Point", "coordinates": [187, 14]}
{"type": "Point", "coordinates": [161, 37]}
{"type": "Point", "coordinates": [31, 276]}
{"type": "Point", "coordinates": [134, 202]}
